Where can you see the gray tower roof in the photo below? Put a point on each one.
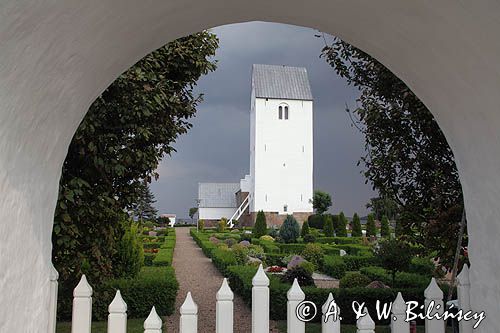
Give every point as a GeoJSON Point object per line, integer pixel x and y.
{"type": "Point", "coordinates": [281, 82]}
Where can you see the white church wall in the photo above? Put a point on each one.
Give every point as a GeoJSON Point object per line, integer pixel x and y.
{"type": "Point", "coordinates": [282, 156]}
{"type": "Point", "coordinates": [215, 213]}
{"type": "Point", "coordinates": [246, 184]}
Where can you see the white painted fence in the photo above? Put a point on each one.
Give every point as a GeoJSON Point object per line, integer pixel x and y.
{"type": "Point", "coordinates": [117, 320]}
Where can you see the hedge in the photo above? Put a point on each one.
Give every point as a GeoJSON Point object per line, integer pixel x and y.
{"type": "Point", "coordinates": [165, 255]}
{"type": "Point", "coordinates": [354, 263]}
{"type": "Point", "coordinates": [148, 259]}
{"type": "Point", "coordinates": [240, 280]}
{"type": "Point", "coordinates": [334, 266]}
{"type": "Point", "coordinates": [422, 266]}
{"type": "Point", "coordinates": [292, 248]}
{"type": "Point", "coordinates": [222, 259]}
{"type": "Point", "coordinates": [339, 240]}
{"type": "Point", "coordinates": [154, 286]}
{"type": "Point", "coordinates": [403, 279]}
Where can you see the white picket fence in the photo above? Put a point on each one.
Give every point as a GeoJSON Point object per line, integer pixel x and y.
{"type": "Point", "coordinates": [117, 319]}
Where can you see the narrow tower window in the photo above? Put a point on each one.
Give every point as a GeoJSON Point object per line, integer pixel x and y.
{"type": "Point", "coordinates": [286, 112]}
{"type": "Point", "coordinates": [280, 112]}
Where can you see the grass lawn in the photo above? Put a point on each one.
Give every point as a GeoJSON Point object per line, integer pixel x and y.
{"type": "Point", "coordinates": [133, 326]}
{"type": "Point", "coordinates": [316, 328]}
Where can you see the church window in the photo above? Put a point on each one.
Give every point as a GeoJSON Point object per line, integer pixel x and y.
{"type": "Point", "coordinates": [280, 112]}
{"type": "Point", "coordinates": [285, 208]}
{"type": "Point", "coordinates": [286, 112]}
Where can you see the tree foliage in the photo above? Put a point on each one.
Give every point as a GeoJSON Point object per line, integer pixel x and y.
{"type": "Point", "coordinates": [192, 212]}
{"type": "Point", "coordinates": [395, 256]}
{"type": "Point", "coordinates": [371, 228]}
{"type": "Point", "coordinates": [118, 146]}
{"type": "Point", "coordinates": [290, 230]}
{"type": "Point", "coordinates": [305, 229]}
{"type": "Point", "coordinates": [322, 201]}
{"type": "Point", "coordinates": [381, 206]}
{"type": "Point", "coordinates": [356, 226]}
{"type": "Point", "coordinates": [385, 230]}
{"type": "Point", "coordinates": [328, 226]}
{"type": "Point", "coordinates": [408, 159]}
{"type": "Point", "coordinates": [142, 207]}
{"type": "Point", "coordinates": [341, 230]}
{"type": "Point", "coordinates": [260, 227]}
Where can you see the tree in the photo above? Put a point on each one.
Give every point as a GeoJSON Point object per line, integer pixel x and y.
{"type": "Point", "coordinates": [341, 230]}
{"type": "Point", "coordinates": [130, 256]}
{"type": "Point", "coordinates": [385, 230]}
{"type": "Point", "coordinates": [143, 208]}
{"type": "Point", "coordinates": [260, 227]}
{"type": "Point", "coordinates": [407, 157]}
{"type": "Point", "coordinates": [356, 226]}
{"type": "Point", "coordinates": [305, 229]}
{"type": "Point", "coordinates": [395, 256]}
{"type": "Point", "coordinates": [117, 147]}
{"type": "Point", "coordinates": [192, 212]}
{"type": "Point", "coordinates": [371, 228]}
{"type": "Point", "coordinates": [322, 201]}
{"type": "Point", "coordinates": [328, 227]}
{"type": "Point", "coordinates": [383, 206]}
{"type": "Point", "coordinates": [290, 230]}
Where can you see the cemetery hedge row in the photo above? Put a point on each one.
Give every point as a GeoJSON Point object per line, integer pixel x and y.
{"type": "Point", "coordinates": [240, 280]}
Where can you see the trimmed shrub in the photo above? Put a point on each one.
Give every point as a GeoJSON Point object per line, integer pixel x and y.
{"type": "Point", "coordinates": [201, 225]}
{"type": "Point", "coordinates": [308, 238]}
{"type": "Point", "coordinates": [305, 229]}
{"type": "Point", "coordinates": [371, 228]}
{"type": "Point", "coordinates": [341, 230]}
{"type": "Point", "coordinates": [290, 230]}
{"type": "Point", "coordinates": [354, 280]}
{"type": "Point", "coordinates": [148, 259]}
{"type": "Point", "coordinates": [334, 266]}
{"type": "Point", "coordinates": [423, 266]}
{"type": "Point", "coordinates": [164, 257]}
{"type": "Point", "coordinates": [266, 238]}
{"type": "Point", "coordinates": [308, 266]}
{"type": "Point", "coordinates": [260, 227]}
{"type": "Point", "coordinates": [292, 248]}
{"type": "Point", "coordinates": [223, 258]}
{"type": "Point", "coordinates": [394, 255]}
{"type": "Point", "coordinates": [316, 221]}
{"type": "Point", "coordinates": [273, 259]}
{"type": "Point", "coordinates": [256, 251]}
{"type": "Point", "coordinates": [314, 254]}
{"type": "Point", "coordinates": [354, 263]}
{"type": "Point", "coordinates": [384, 227]}
{"type": "Point", "coordinates": [303, 276]}
{"type": "Point", "coordinates": [403, 279]}
{"type": "Point", "coordinates": [153, 286]}
{"type": "Point", "coordinates": [221, 226]}
{"type": "Point", "coordinates": [270, 247]}
{"type": "Point", "coordinates": [356, 226]}
{"type": "Point", "coordinates": [328, 227]}
{"type": "Point", "coordinates": [130, 255]}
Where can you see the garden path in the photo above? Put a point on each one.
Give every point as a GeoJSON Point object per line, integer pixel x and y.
{"type": "Point", "coordinates": [196, 273]}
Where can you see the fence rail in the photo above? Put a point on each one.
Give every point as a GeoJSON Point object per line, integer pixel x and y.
{"type": "Point", "coordinates": [117, 319]}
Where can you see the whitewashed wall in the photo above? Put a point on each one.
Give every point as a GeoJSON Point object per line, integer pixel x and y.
{"type": "Point", "coordinates": [281, 152]}
{"type": "Point", "coordinates": [57, 56]}
{"type": "Point", "coordinates": [215, 213]}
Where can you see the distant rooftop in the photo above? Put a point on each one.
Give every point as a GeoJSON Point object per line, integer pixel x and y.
{"type": "Point", "coordinates": [217, 195]}
{"type": "Point", "coordinates": [281, 82]}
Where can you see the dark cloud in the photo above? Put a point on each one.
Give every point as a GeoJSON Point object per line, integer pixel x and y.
{"type": "Point", "coordinates": [216, 149]}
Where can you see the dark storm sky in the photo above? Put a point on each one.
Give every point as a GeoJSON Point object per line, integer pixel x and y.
{"type": "Point", "coordinates": [216, 149]}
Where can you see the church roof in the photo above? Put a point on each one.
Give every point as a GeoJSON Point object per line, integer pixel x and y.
{"type": "Point", "coordinates": [217, 195]}
{"type": "Point", "coordinates": [281, 82]}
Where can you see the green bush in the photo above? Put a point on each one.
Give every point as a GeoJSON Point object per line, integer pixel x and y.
{"type": "Point", "coordinates": [273, 259]}
{"type": "Point", "coordinates": [256, 251]}
{"type": "Point", "coordinates": [403, 279]}
{"type": "Point", "coordinates": [305, 229]}
{"type": "Point", "coordinates": [164, 257]}
{"type": "Point", "coordinates": [260, 227]}
{"type": "Point", "coordinates": [151, 245]}
{"type": "Point", "coordinates": [154, 286]}
{"type": "Point", "coordinates": [354, 263]}
{"type": "Point", "coordinates": [303, 276]}
{"type": "Point", "coordinates": [316, 221]}
{"type": "Point", "coordinates": [371, 228]}
{"type": "Point", "coordinates": [356, 226]}
{"type": "Point", "coordinates": [341, 230]}
{"type": "Point", "coordinates": [423, 266]}
{"type": "Point", "coordinates": [394, 255]}
{"type": "Point", "coordinates": [148, 259]}
{"type": "Point", "coordinates": [334, 266]}
{"type": "Point", "coordinates": [292, 248]}
{"type": "Point", "coordinates": [270, 247]}
{"type": "Point", "coordinates": [201, 225]}
{"type": "Point", "coordinates": [290, 230]}
{"type": "Point", "coordinates": [384, 227]}
{"type": "Point", "coordinates": [223, 258]}
{"type": "Point", "coordinates": [308, 266]}
{"type": "Point", "coordinates": [328, 227]}
{"type": "Point", "coordinates": [314, 254]}
{"type": "Point", "coordinates": [309, 238]}
{"type": "Point", "coordinates": [354, 280]}
{"type": "Point", "coordinates": [221, 226]}
{"type": "Point", "coordinates": [130, 255]}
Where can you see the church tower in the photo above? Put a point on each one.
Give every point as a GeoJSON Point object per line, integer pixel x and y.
{"type": "Point", "coordinates": [281, 143]}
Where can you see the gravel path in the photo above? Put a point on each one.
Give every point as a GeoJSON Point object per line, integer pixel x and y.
{"type": "Point", "coordinates": [196, 273]}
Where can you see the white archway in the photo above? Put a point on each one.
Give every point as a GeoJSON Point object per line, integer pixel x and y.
{"type": "Point", "coordinates": [58, 55]}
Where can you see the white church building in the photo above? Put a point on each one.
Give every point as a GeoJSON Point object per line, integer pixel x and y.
{"type": "Point", "coordinates": [281, 153]}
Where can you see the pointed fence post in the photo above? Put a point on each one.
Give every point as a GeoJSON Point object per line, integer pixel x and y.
{"type": "Point", "coordinates": [365, 324]}
{"type": "Point", "coordinates": [260, 302]}
{"type": "Point", "coordinates": [54, 275]}
{"type": "Point", "coordinates": [295, 295]}
{"type": "Point", "coordinates": [189, 316]}
{"type": "Point", "coordinates": [434, 297]}
{"type": "Point", "coordinates": [117, 318]}
{"type": "Point", "coordinates": [330, 321]}
{"type": "Point", "coordinates": [82, 307]}
{"type": "Point", "coordinates": [153, 323]}
{"type": "Point", "coordinates": [398, 323]}
{"type": "Point", "coordinates": [463, 292]}
{"type": "Point", "coordinates": [224, 309]}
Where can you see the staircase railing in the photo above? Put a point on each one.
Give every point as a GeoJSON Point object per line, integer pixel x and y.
{"type": "Point", "coordinates": [241, 209]}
